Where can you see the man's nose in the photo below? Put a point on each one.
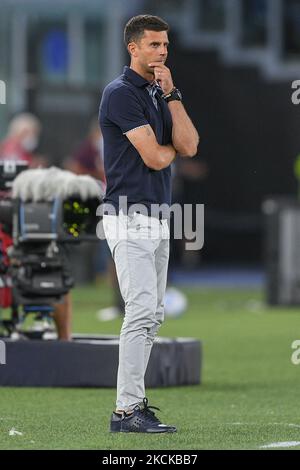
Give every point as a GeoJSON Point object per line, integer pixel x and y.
{"type": "Point", "coordinates": [163, 51]}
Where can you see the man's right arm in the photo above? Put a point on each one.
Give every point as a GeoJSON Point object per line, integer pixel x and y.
{"type": "Point", "coordinates": [155, 156]}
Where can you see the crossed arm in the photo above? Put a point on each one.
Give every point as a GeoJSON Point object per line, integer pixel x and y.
{"type": "Point", "coordinates": [155, 156]}
{"type": "Point", "coordinates": [185, 140]}
{"type": "Point", "coordinates": [185, 137]}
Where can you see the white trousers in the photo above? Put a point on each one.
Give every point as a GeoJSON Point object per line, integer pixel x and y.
{"type": "Point", "coordinates": [140, 249]}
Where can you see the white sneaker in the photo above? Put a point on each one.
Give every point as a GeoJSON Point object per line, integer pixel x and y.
{"type": "Point", "coordinates": [108, 314]}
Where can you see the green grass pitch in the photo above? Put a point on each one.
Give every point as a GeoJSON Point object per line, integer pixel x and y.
{"type": "Point", "coordinates": [249, 396]}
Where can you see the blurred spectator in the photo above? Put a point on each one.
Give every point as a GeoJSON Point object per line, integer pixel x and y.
{"type": "Point", "coordinates": [22, 140]}
{"type": "Point", "coordinates": [88, 158]}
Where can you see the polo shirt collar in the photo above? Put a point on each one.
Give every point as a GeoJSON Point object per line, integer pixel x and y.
{"type": "Point", "coordinates": [134, 77]}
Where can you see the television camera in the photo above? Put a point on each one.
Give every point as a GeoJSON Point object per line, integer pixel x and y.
{"type": "Point", "coordinates": [42, 213]}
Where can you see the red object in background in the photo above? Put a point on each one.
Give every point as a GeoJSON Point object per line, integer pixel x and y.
{"type": "Point", "coordinates": [10, 149]}
{"type": "Point", "coordinates": [5, 292]}
{"type": "Point", "coordinates": [5, 280]}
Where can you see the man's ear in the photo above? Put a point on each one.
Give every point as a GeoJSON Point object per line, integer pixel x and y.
{"type": "Point", "coordinates": [132, 49]}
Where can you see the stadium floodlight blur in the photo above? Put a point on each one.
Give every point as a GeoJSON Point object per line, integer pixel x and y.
{"type": "Point", "coordinates": [44, 211]}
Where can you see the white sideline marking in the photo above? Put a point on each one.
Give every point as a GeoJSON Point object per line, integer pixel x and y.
{"type": "Point", "coordinates": [280, 444]}
{"type": "Point", "coordinates": [273, 445]}
{"type": "Point", "coordinates": [265, 424]}
{"type": "Point", "coordinates": [14, 432]}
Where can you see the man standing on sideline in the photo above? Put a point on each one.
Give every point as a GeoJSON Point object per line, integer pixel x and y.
{"type": "Point", "coordinates": [144, 125]}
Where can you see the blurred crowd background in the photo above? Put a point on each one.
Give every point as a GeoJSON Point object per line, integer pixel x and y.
{"type": "Point", "coordinates": [233, 60]}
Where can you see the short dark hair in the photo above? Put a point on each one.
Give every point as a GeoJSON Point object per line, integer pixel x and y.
{"type": "Point", "coordinates": [135, 27]}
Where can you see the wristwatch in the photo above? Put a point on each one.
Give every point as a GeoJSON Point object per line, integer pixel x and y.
{"type": "Point", "coordinates": [173, 95]}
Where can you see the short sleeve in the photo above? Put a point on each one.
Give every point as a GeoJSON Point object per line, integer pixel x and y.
{"type": "Point", "coordinates": [125, 110]}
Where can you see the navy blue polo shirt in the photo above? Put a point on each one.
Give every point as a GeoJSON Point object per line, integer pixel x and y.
{"type": "Point", "coordinates": [126, 104]}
